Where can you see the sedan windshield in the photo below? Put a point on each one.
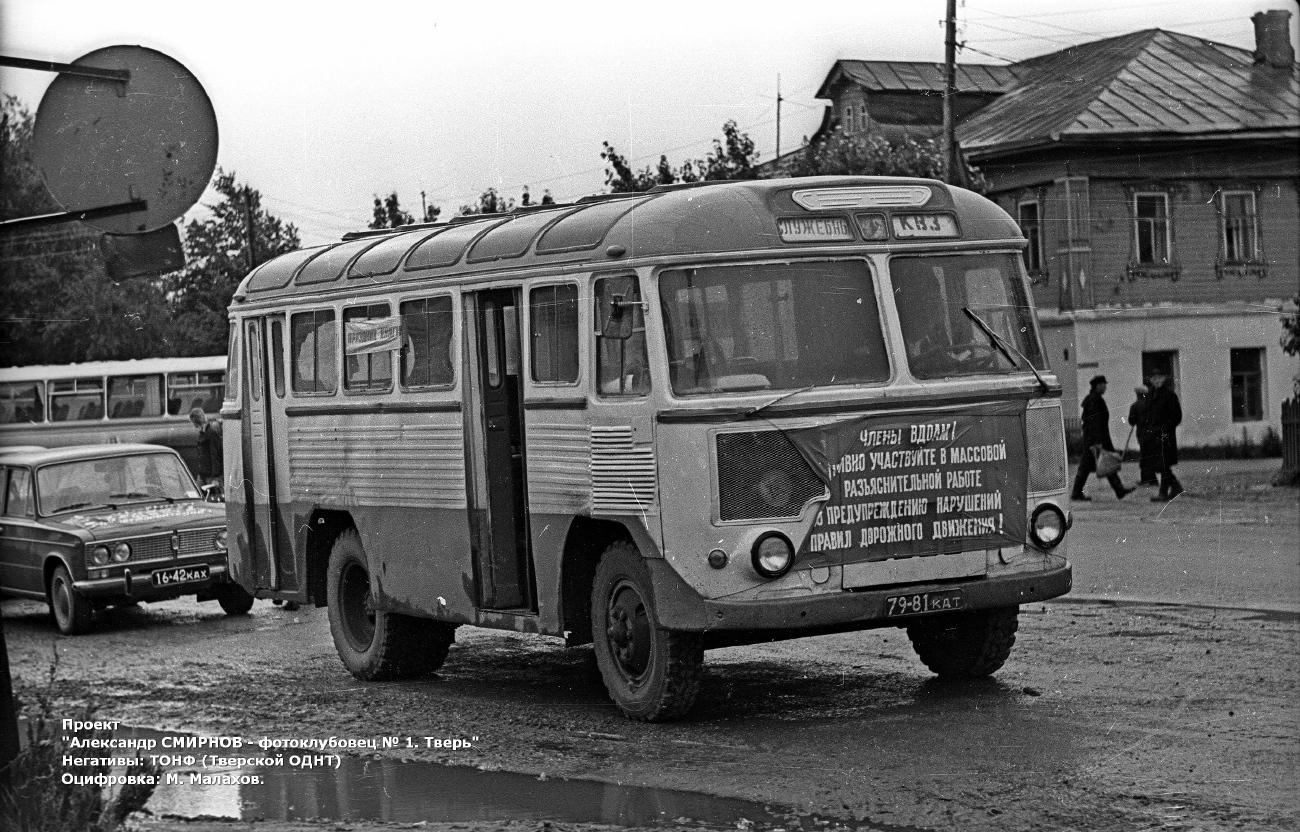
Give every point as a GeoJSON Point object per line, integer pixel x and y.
{"type": "Point", "coordinates": [937, 298]}
{"type": "Point", "coordinates": [764, 326]}
{"type": "Point", "coordinates": [113, 481]}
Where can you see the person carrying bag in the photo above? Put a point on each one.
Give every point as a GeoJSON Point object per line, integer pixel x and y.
{"type": "Point", "coordinates": [1101, 454]}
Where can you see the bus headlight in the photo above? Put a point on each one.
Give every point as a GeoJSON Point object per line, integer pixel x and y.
{"type": "Point", "coordinates": [772, 555]}
{"type": "Point", "coordinates": [99, 555]}
{"type": "Point", "coordinates": [220, 540]}
{"type": "Point", "coordinates": [1047, 525]}
{"type": "Point", "coordinates": [122, 552]}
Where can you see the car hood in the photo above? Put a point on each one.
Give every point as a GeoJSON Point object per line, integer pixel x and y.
{"type": "Point", "coordinates": [146, 519]}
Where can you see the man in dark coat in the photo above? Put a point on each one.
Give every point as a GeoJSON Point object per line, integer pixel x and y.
{"type": "Point", "coordinates": [1096, 434]}
{"type": "Point", "coordinates": [211, 462]}
{"type": "Point", "coordinates": [1164, 414]}
{"type": "Point", "coordinates": [1137, 419]}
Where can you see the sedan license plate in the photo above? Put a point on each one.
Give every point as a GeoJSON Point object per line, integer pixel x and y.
{"type": "Point", "coordinates": [181, 575]}
{"type": "Point", "coordinates": [920, 603]}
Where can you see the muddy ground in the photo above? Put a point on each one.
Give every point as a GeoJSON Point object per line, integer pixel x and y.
{"type": "Point", "coordinates": [1109, 716]}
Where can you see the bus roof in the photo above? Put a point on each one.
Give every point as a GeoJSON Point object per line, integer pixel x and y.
{"type": "Point", "coordinates": [130, 367]}
{"type": "Point", "coordinates": [607, 230]}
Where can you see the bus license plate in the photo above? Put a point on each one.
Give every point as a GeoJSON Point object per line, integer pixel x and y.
{"type": "Point", "coordinates": [919, 603]}
{"type": "Point", "coordinates": [181, 575]}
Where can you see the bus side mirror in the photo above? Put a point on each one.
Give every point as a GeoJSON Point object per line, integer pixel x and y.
{"type": "Point", "coordinates": [616, 317]}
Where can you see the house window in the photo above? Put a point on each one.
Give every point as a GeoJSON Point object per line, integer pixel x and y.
{"type": "Point", "coordinates": [1240, 232]}
{"type": "Point", "coordinates": [1031, 226]}
{"type": "Point", "coordinates": [1151, 228]}
{"type": "Point", "coordinates": [1247, 368]}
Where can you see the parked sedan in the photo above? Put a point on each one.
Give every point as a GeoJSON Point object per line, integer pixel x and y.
{"type": "Point", "coordinates": [92, 526]}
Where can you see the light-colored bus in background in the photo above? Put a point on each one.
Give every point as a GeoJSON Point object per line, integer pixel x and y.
{"type": "Point", "coordinates": [659, 422]}
{"type": "Point", "coordinates": [146, 400]}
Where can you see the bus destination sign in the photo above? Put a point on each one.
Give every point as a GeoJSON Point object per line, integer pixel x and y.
{"type": "Point", "coordinates": [813, 229]}
{"type": "Point", "coordinates": [924, 225]}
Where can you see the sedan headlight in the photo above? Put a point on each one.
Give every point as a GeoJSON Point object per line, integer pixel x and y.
{"type": "Point", "coordinates": [122, 552]}
{"type": "Point", "coordinates": [99, 555]}
{"type": "Point", "coordinates": [1047, 525]}
{"type": "Point", "coordinates": [220, 540]}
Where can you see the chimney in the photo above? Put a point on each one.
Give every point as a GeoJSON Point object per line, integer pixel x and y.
{"type": "Point", "coordinates": [1273, 38]}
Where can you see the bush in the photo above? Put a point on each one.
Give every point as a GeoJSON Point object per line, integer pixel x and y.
{"type": "Point", "coordinates": [36, 799]}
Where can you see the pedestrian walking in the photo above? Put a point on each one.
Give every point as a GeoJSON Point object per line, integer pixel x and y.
{"type": "Point", "coordinates": [1164, 415]}
{"type": "Point", "coordinates": [1096, 436]}
{"type": "Point", "coordinates": [1137, 420]}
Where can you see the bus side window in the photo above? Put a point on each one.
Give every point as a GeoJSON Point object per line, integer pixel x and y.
{"type": "Point", "coordinates": [553, 328]}
{"type": "Point", "coordinates": [254, 361]}
{"type": "Point", "coordinates": [314, 356]}
{"type": "Point", "coordinates": [130, 397]}
{"type": "Point", "coordinates": [622, 366]}
{"type": "Point", "coordinates": [22, 402]}
{"type": "Point", "coordinates": [277, 357]}
{"type": "Point", "coordinates": [368, 362]}
{"type": "Point", "coordinates": [76, 399]}
{"type": "Point", "coordinates": [426, 358]}
{"type": "Point", "coordinates": [231, 392]}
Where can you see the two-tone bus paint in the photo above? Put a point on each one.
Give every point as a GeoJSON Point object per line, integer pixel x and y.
{"type": "Point", "coordinates": [658, 422]}
{"type": "Point", "coordinates": [144, 400]}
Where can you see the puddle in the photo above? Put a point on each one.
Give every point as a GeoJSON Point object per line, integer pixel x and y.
{"type": "Point", "coordinates": [413, 791]}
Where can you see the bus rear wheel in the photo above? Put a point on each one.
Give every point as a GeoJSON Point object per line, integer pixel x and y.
{"type": "Point", "coordinates": [965, 645]}
{"type": "Point", "coordinates": [651, 673]}
{"type": "Point", "coordinates": [374, 644]}
{"type": "Point", "coordinates": [235, 600]}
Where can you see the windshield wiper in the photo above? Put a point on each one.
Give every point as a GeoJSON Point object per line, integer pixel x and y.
{"type": "Point", "coordinates": [71, 506]}
{"type": "Point", "coordinates": [145, 495]}
{"type": "Point", "coordinates": [757, 408]}
{"type": "Point", "coordinates": [1002, 347]}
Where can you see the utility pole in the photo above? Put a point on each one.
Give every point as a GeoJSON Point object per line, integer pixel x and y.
{"type": "Point", "coordinates": [951, 169]}
{"type": "Point", "coordinates": [248, 219]}
{"type": "Point", "coordinates": [778, 115]}
{"type": "Point", "coordinates": [424, 209]}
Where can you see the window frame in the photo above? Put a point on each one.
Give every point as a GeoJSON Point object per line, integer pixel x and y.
{"type": "Point", "coordinates": [369, 389]}
{"type": "Point", "coordinates": [577, 334]}
{"type": "Point", "coordinates": [333, 321]}
{"type": "Point", "coordinates": [1167, 224]}
{"type": "Point", "coordinates": [1249, 394]}
{"type": "Point", "coordinates": [1252, 216]}
{"type": "Point", "coordinates": [453, 353]}
{"type": "Point", "coordinates": [1036, 247]}
{"type": "Point", "coordinates": [620, 395]}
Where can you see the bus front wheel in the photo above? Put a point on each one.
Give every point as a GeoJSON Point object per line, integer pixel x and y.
{"type": "Point", "coordinates": [651, 673]}
{"type": "Point", "coordinates": [965, 645]}
{"type": "Point", "coordinates": [374, 644]}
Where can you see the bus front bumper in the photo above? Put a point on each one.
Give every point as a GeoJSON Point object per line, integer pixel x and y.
{"type": "Point", "coordinates": [679, 607]}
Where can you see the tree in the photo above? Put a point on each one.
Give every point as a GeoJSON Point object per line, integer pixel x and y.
{"type": "Point", "coordinates": [219, 251]}
{"type": "Point", "coordinates": [732, 157]}
{"type": "Point", "coordinates": [859, 154]}
{"type": "Point", "coordinates": [57, 302]}
{"type": "Point", "coordinates": [1290, 339]}
{"type": "Point", "coordinates": [491, 202]}
{"type": "Point", "coordinates": [389, 214]}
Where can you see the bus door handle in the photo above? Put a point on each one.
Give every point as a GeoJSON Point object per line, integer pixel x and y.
{"type": "Point", "coordinates": [493, 424]}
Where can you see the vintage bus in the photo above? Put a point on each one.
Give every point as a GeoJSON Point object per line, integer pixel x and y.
{"type": "Point", "coordinates": [661, 422]}
{"type": "Point", "coordinates": [146, 400]}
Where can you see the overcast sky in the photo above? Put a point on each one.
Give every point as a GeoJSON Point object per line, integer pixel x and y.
{"type": "Point", "coordinates": [323, 105]}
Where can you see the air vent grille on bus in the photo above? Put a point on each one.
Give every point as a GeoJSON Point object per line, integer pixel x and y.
{"type": "Point", "coordinates": [1045, 435]}
{"type": "Point", "coordinates": [762, 475]}
{"type": "Point", "coordinates": [622, 472]}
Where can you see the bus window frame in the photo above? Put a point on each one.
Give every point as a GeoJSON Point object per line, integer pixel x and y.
{"type": "Point", "coordinates": [52, 394]}
{"type": "Point", "coordinates": [42, 396]}
{"type": "Point", "coordinates": [290, 314]}
{"type": "Point", "coordinates": [159, 378]}
{"type": "Point", "coordinates": [528, 345]}
{"type": "Point", "coordinates": [454, 347]}
{"type": "Point", "coordinates": [368, 389]}
{"type": "Point", "coordinates": [646, 332]}
{"type": "Point", "coordinates": [235, 354]}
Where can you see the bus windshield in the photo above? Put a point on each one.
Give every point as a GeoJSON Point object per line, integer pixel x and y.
{"type": "Point", "coordinates": [762, 326]}
{"type": "Point", "coordinates": [933, 292]}
{"type": "Point", "coordinates": [113, 481]}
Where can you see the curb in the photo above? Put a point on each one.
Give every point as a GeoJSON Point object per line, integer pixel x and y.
{"type": "Point", "coordinates": [1080, 598]}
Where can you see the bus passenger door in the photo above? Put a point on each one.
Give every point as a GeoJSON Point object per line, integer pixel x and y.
{"type": "Point", "coordinates": [260, 447]}
{"type": "Point", "coordinates": [495, 446]}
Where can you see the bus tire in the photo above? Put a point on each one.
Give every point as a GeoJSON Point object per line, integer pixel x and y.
{"type": "Point", "coordinates": [651, 673]}
{"type": "Point", "coordinates": [965, 645]}
{"type": "Point", "coordinates": [72, 612]}
{"type": "Point", "coordinates": [235, 600]}
{"type": "Point", "coordinates": [375, 645]}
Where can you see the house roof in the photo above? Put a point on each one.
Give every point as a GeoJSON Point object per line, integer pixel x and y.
{"type": "Point", "coordinates": [1146, 84]}
{"type": "Point", "coordinates": [914, 76]}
